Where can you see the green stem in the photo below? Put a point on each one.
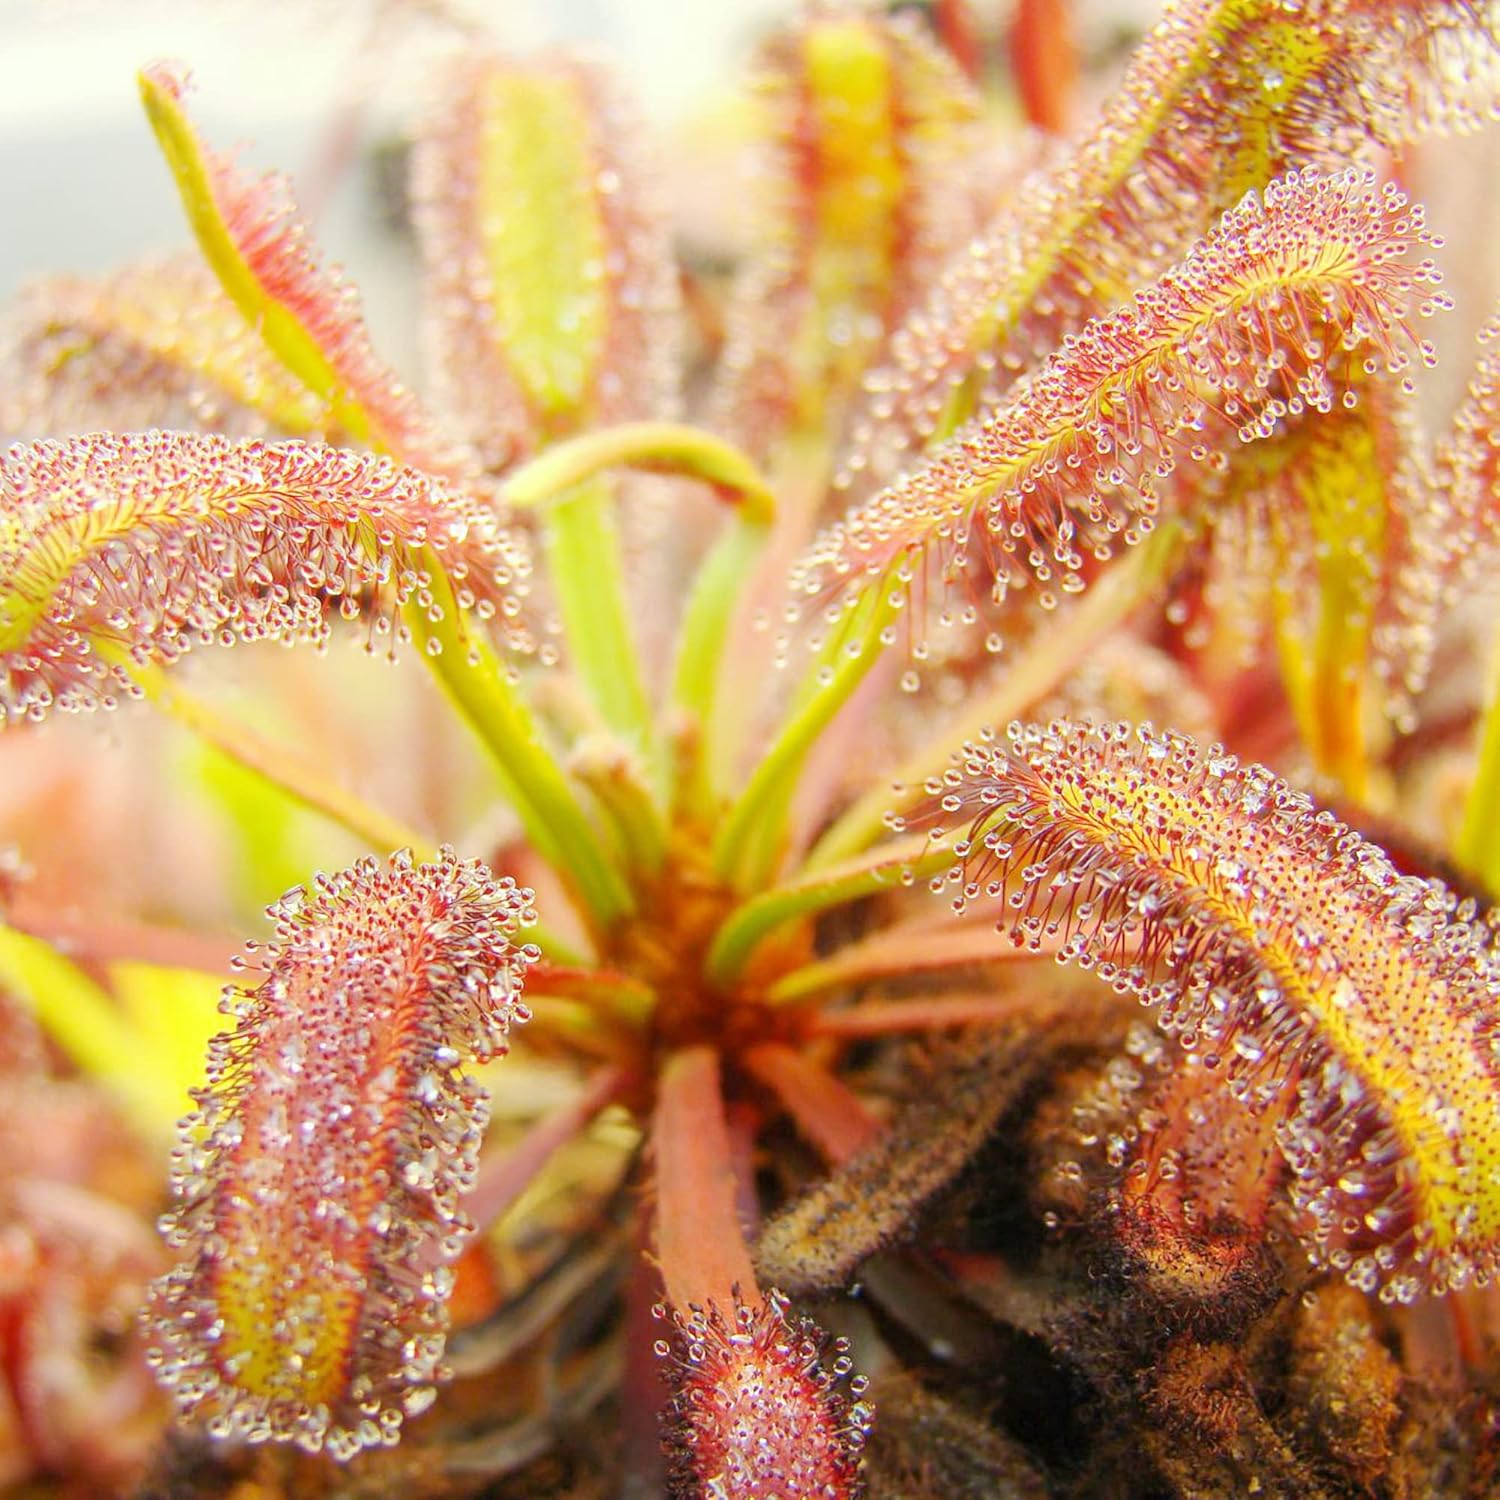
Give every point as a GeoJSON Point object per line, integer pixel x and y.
{"type": "Point", "coordinates": [582, 546]}
{"type": "Point", "coordinates": [800, 472]}
{"type": "Point", "coordinates": [903, 952]}
{"type": "Point", "coordinates": [590, 587]}
{"type": "Point", "coordinates": [712, 605]}
{"type": "Point", "coordinates": [899, 863]}
{"type": "Point", "coordinates": [754, 833]}
{"type": "Point", "coordinates": [483, 691]}
{"type": "Point", "coordinates": [90, 1028]}
{"type": "Point", "coordinates": [283, 770]}
{"type": "Point", "coordinates": [1035, 672]}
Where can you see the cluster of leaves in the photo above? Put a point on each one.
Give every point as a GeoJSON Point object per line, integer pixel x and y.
{"type": "Point", "coordinates": [1087, 432]}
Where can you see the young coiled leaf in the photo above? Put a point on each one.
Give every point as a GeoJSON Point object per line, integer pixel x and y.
{"type": "Point", "coordinates": [320, 1179]}
{"type": "Point", "coordinates": [1221, 98]}
{"type": "Point", "coordinates": [1258, 325]}
{"type": "Point", "coordinates": [152, 543]}
{"type": "Point", "coordinates": [1356, 1003]}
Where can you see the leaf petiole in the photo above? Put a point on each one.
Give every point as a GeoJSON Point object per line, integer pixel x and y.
{"type": "Point", "coordinates": [1035, 672]}
{"type": "Point", "coordinates": [284, 770]}
{"type": "Point", "coordinates": [483, 690]}
{"type": "Point", "coordinates": [754, 833]}
{"type": "Point", "coordinates": [898, 863]}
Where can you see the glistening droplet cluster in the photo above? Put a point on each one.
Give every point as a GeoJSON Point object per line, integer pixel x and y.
{"type": "Point", "coordinates": [320, 1178]}
{"type": "Point", "coordinates": [1357, 1003]}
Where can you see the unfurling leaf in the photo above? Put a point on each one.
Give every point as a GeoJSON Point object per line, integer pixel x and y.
{"type": "Point", "coordinates": [548, 260]}
{"type": "Point", "coordinates": [1262, 322]}
{"type": "Point", "coordinates": [252, 237]}
{"type": "Point", "coordinates": [147, 545]}
{"type": "Point", "coordinates": [761, 1406]}
{"type": "Point", "coordinates": [1224, 96]}
{"type": "Point", "coordinates": [321, 1177]}
{"type": "Point", "coordinates": [1357, 1003]}
{"type": "Point", "coordinates": [154, 346]}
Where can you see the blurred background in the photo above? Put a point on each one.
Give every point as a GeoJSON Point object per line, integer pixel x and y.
{"type": "Point", "coordinates": [84, 189]}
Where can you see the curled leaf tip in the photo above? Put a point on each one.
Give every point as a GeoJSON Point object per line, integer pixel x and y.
{"type": "Point", "coordinates": [763, 1405]}
{"type": "Point", "coordinates": [320, 1179]}
{"type": "Point", "coordinates": [1356, 1003]}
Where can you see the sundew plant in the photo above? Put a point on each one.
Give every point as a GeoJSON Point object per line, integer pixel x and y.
{"type": "Point", "coordinates": [969, 969]}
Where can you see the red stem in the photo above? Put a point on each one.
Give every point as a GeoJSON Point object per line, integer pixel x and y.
{"type": "Point", "coordinates": [105, 940]}
{"type": "Point", "coordinates": [699, 1241]}
{"type": "Point", "coordinates": [927, 1013]}
{"type": "Point", "coordinates": [831, 1117]}
{"type": "Point", "coordinates": [957, 31]}
{"type": "Point", "coordinates": [1045, 62]}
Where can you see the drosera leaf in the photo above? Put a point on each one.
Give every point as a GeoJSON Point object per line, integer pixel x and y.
{"type": "Point", "coordinates": [252, 237]}
{"type": "Point", "coordinates": [156, 542]}
{"type": "Point", "coordinates": [1465, 511]}
{"type": "Point", "coordinates": [121, 553]}
{"type": "Point", "coordinates": [555, 309]}
{"type": "Point", "coordinates": [320, 1180]}
{"type": "Point", "coordinates": [1466, 498]}
{"type": "Point", "coordinates": [865, 119]}
{"type": "Point", "coordinates": [1260, 323]}
{"type": "Point", "coordinates": [763, 1404]}
{"type": "Point", "coordinates": [553, 302]}
{"type": "Point", "coordinates": [1222, 97]}
{"type": "Point", "coordinates": [1356, 1003]}
{"type": "Point", "coordinates": [156, 345]}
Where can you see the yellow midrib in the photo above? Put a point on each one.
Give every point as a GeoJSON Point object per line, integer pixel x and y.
{"type": "Point", "coordinates": [1356, 1033]}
